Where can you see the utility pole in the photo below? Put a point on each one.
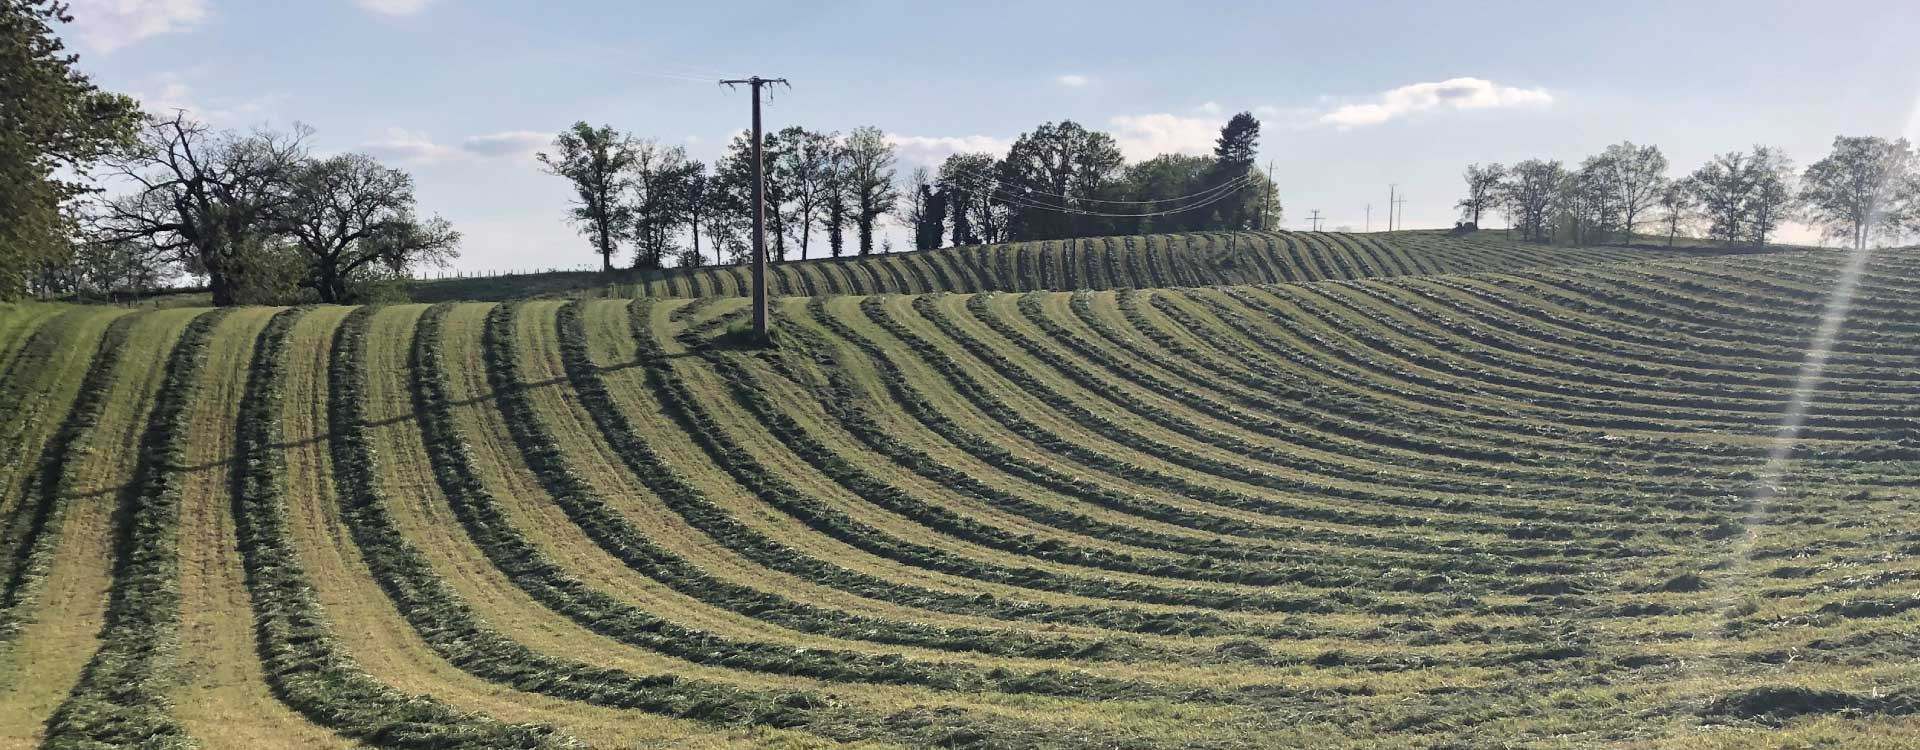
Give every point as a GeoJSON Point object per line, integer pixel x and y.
{"type": "Point", "coordinates": [1369, 217]}
{"type": "Point", "coordinates": [1315, 218]}
{"type": "Point", "coordinates": [1266, 196]}
{"type": "Point", "coordinates": [1391, 187]}
{"type": "Point", "coordinates": [759, 205]}
{"type": "Point", "coordinates": [1400, 210]}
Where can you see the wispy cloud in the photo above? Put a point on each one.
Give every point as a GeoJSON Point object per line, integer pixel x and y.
{"type": "Point", "coordinates": [930, 150]}
{"type": "Point", "coordinates": [506, 143]}
{"type": "Point", "coordinates": [1073, 80]}
{"type": "Point", "coordinates": [393, 7]}
{"type": "Point", "coordinates": [1453, 94]}
{"type": "Point", "coordinates": [410, 147]}
{"type": "Point", "coordinates": [107, 25]}
{"type": "Point", "coordinates": [1149, 135]}
{"type": "Point", "coordinates": [164, 93]}
{"type": "Point", "coordinates": [418, 148]}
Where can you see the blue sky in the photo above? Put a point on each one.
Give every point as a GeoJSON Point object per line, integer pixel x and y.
{"type": "Point", "coordinates": [461, 92]}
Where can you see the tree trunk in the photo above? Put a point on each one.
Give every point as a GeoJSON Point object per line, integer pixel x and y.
{"type": "Point", "coordinates": [606, 251]}
{"type": "Point", "coordinates": [693, 225]}
{"type": "Point", "coordinates": [220, 283]}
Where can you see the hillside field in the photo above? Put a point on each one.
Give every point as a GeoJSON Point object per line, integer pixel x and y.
{"type": "Point", "coordinates": [1238, 491]}
{"type": "Point", "coordinates": [1097, 263]}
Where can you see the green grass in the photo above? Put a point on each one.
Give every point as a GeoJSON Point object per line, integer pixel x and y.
{"type": "Point", "coordinates": [1369, 491]}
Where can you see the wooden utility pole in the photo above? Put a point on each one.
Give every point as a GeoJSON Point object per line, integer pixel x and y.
{"type": "Point", "coordinates": [1315, 218]}
{"type": "Point", "coordinates": [759, 206]}
{"type": "Point", "coordinates": [1369, 217]}
{"type": "Point", "coordinates": [1400, 212]}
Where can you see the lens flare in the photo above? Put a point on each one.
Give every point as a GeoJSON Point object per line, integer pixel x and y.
{"type": "Point", "coordinates": [1812, 371]}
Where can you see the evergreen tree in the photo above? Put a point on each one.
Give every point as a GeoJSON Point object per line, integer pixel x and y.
{"type": "Point", "coordinates": [931, 221]}
{"type": "Point", "coordinates": [1233, 154]}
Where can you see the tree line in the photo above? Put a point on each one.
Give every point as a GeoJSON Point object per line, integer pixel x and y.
{"type": "Point", "coordinates": [1866, 188]}
{"type": "Point", "coordinates": [256, 214]}
{"type": "Point", "coordinates": [1057, 180]}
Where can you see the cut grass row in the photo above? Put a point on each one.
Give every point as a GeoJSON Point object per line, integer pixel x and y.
{"type": "Point", "coordinates": [1150, 261]}
{"type": "Point", "coordinates": [121, 698]}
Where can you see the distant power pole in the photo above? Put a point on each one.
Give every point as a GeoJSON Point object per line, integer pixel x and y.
{"type": "Point", "coordinates": [759, 206]}
{"type": "Point", "coordinates": [1315, 218]}
{"type": "Point", "coordinates": [1390, 191]}
{"type": "Point", "coordinates": [1400, 211]}
{"type": "Point", "coordinates": [1266, 196]}
{"type": "Point", "coordinates": [1369, 217]}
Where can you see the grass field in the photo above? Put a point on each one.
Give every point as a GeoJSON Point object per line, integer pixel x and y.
{"type": "Point", "coordinates": [1100, 263]}
{"type": "Point", "coordinates": [1240, 491]}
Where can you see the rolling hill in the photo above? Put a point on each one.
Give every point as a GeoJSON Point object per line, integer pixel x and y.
{"type": "Point", "coordinates": [1100, 263]}
{"type": "Point", "coordinates": [1396, 491]}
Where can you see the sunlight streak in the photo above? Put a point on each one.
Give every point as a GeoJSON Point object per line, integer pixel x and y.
{"type": "Point", "coordinates": [1812, 371]}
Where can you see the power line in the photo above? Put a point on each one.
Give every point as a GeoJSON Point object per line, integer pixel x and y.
{"type": "Point", "coordinates": [1234, 183]}
{"type": "Point", "coordinates": [1024, 203]}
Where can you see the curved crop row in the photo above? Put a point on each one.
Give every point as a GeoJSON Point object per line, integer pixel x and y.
{"type": "Point", "coordinates": [1139, 262]}
{"type": "Point", "coordinates": [121, 698]}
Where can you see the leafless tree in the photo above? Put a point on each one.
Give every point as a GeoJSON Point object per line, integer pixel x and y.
{"type": "Point", "coordinates": [870, 161]}
{"type": "Point", "coordinates": [204, 197]}
{"type": "Point", "coordinates": [914, 197]}
{"type": "Point", "coordinates": [659, 177]}
{"type": "Point", "coordinates": [1635, 177]}
{"type": "Point", "coordinates": [1585, 202]}
{"type": "Point", "coordinates": [700, 200]}
{"type": "Point", "coordinates": [1531, 189]}
{"type": "Point", "coordinates": [1772, 199]}
{"type": "Point", "coordinates": [805, 166]}
{"type": "Point", "coordinates": [1720, 187]}
{"type": "Point", "coordinates": [1676, 206]}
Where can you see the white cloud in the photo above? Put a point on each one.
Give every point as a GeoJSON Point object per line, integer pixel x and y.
{"type": "Point", "coordinates": [166, 92]}
{"type": "Point", "coordinates": [393, 7]}
{"type": "Point", "coordinates": [107, 25]}
{"type": "Point", "coordinates": [931, 150]}
{"type": "Point", "coordinates": [1208, 108]}
{"type": "Point", "coordinates": [411, 147]}
{"type": "Point", "coordinates": [1073, 80]}
{"type": "Point", "coordinates": [1453, 93]}
{"type": "Point", "coordinates": [1147, 136]}
{"type": "Point", "coordinates": [418, 148]}
{"type": "Point", "coordinates": [507, 143]}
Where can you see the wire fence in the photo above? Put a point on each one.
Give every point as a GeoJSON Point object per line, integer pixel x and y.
{"type": "Point", "coordinates": [436, 274]}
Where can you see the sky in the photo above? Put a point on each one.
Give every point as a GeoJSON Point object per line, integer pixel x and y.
{"type": "Point", "coordinates": [1353, 96]}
